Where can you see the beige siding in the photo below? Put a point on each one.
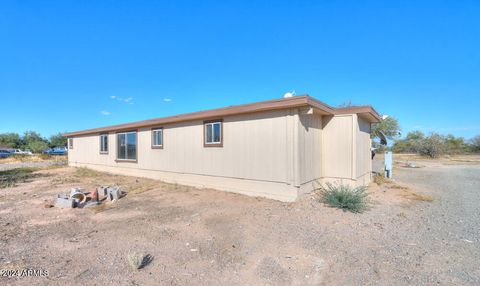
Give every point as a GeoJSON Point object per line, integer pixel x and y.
{"type": "Point", "coordinates": [310, 148]}
{"type": "Point", "coordinates": [278, 154]}
{"type": "Point", "coordinates": [363, 152]}
{"type": "Point", "coordinates": [338, 147]}
{"type": "Point", "coordinates": [255, 147]}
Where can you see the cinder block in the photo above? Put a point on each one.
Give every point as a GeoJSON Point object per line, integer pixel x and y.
{"type": "Point", "coordinates": [114, 193]}
{"type": "Point", "coordinates": [64, 203]}
{"type": "Point", "coordinates": [102, 191]}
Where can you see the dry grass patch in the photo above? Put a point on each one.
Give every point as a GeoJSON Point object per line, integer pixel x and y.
{"type": "Point", "coordinates": [398, 187]}
{"type": "Point", "coordinates": [380, 179]}
{"type": "Point", "coordinates": [63, 180]}
{"type": "Point", "coordinates": [140, 187]}
{"type": "Point", "coordinates": [10, 178]}
{"type": "Point", "coordinates": [417, 197]}
{"type": "Point", "coordinates": [402, 215]}
{"type": "Point", "coordinates": [420, 197]}
{"type": "Point", "coordinates": [34, 158]}
{"type": "Point", "coordinates": [85, 172]}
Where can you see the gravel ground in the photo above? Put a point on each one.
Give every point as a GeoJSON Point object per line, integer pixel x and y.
{"type": "Point", "coordinates": [206, 237]}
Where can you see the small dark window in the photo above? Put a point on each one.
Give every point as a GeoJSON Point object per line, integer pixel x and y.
{"type": "Point", "coordinates": [104, 144]}
{"type": "Point", "coordinates": [70, 143]}
{"type": "Point", "coordinates": [213, 133]}
{"type": "Point", "coordinates": [157, 138]}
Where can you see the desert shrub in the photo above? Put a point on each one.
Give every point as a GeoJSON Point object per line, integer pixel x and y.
{"type": "Point", "coordinates": [345, 197]}
{"type": "Point", "coordinates": [432, 146]}
{"type": "Point", "coordinates": [138, 261]}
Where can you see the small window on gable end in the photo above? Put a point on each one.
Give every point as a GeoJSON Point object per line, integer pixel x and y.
{"type": "Point", "coordinates": [157, 138]}
{"type": "Point", "coordinates": [213, 133]}
{"type": "Point", "coordinates": [70, 143]}
{"type": "Point", "coordinates": [104, 144]}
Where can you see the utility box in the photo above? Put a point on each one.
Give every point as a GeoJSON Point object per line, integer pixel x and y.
{"type": "Point", "coordinates": [388, 162]}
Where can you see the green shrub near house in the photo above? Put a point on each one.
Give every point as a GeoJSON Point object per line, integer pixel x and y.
{"type": "Point", "coordinates": [345, 197]}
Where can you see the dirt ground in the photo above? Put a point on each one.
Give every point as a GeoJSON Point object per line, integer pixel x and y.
{"type": "Point", "coordinates": [422, 229]}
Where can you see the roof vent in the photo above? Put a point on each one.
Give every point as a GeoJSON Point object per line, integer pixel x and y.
{"type": "Point", "coordinates": [289, 94]}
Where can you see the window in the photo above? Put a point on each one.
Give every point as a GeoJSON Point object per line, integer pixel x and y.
{"type": "Point", "coordinates": [157, 138]}
{"type": "Point", "coordinates": [213, 133]}
{"type": "Point", "coordinates": [104, 144]}
{"type": "Point", "coordinates": [127, 146]}
{"type": "Point", "coordinates": [70, 143]}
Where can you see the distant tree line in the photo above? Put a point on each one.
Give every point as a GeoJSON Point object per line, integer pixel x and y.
{"type": "Point", "coordinates": [431, 145]}
{"type": "Point", "coordinates": [434, 144]}
{"type": "Point", "coordinates": [32, 141]}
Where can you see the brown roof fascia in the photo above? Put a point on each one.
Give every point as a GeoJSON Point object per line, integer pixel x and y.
{"type": "Point", "coordinates": [204, 115]}
{"type": "Point", "coordinates": [275, 104]}
{"type": "Point", "coordinates": [365, 109]}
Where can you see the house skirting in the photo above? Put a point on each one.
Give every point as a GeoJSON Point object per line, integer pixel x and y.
{"type": "Point", "coordinates": [273, 190]}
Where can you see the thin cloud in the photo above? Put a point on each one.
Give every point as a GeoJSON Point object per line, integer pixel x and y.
{"type": "Point", "coordinates": [104, 112]}
{"type": "Point", "coordinates": [128, 100]}
{"type": "Point", "coordinates": [167, 99]}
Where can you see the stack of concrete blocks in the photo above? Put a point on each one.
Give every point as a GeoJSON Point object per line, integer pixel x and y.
{"type": "Point", "coordinates": [78, 198]}
{"type": "Point", "coordinates": [112, 193]}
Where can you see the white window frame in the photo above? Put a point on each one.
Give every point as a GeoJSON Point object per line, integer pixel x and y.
{"type": "Point", "coordinates": [102, 137]}
{"type": "Point", "coordinates": [212, 142]}
{"type": "Point", "coordinates": [70, 143]}
{"type": "Point", "coordinates": [156, 130]}
{"type": "Point", "coordinates": [126, 146]}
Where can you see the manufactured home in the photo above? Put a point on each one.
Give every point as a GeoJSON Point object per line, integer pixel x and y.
{"type": "Point", "coordinates": [278, 149]}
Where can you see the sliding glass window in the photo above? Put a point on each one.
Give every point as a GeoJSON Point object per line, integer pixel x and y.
{"type": "Point", "coordinates": [127, 146]}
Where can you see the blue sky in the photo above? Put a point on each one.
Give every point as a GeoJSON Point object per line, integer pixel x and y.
{"type": "Point", "coordinates": [72, 65]}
